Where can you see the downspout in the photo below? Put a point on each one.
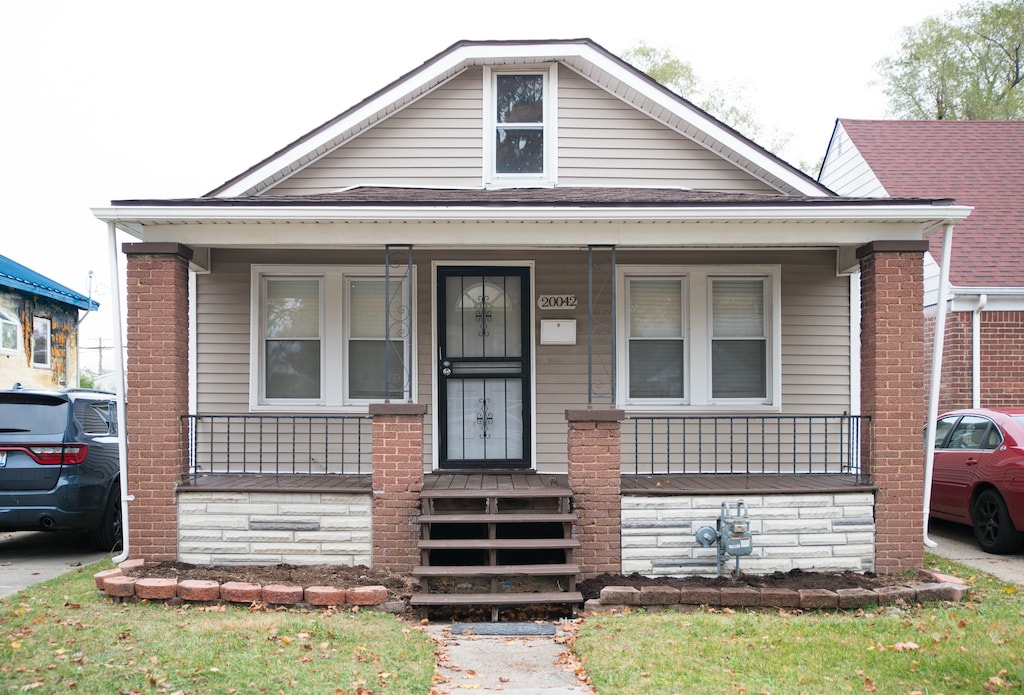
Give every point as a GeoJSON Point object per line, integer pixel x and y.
{"type": "Point", "coordinates": [976, 351]}
{"type": "Point", "coordinates": [119, 382]}
{"type": "Point", "coordinates": [933, 392]}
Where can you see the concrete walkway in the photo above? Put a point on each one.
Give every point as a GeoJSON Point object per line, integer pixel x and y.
{"type": "Point", "coordinates": [511, 664]}
{"type": "Point", "coordinates": [956, 542]}
{"type": "Point", "coordinates": [28, 557]}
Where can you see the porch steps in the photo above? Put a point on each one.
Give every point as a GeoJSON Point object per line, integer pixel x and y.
{"type": "Point", "coordinates": [496, 541]}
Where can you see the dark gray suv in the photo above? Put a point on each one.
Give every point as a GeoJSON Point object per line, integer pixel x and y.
{"type": "Point", "coordinates": [59, 463]}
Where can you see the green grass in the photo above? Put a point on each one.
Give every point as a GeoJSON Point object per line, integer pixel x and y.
{"type": "Point", "coordinates": [972, 647]}
{"type": "Point", "coordinates": [61, 636]}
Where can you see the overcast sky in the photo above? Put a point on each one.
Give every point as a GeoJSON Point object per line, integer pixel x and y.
{"type": "Point", "coordinates": [112, 99]}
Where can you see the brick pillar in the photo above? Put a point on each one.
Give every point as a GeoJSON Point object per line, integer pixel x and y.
{"type": "Point", "coordinates": [893, 394]}
{"type": "Point", "coordinates": [157, 397]}
{"type": "Point", "coordinates": [596, 481]}
{"type": "Point", "coordinates": [397, 482]}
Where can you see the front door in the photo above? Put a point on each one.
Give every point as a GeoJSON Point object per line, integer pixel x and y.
{"type": "Point", "coordinates": [483, 367]}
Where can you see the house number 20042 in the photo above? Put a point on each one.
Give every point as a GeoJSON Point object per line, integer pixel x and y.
{"type": "Point", "coordinates": [556, 301]}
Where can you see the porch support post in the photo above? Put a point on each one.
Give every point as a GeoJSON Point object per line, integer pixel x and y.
{"type": "Point", "coordinates": [157, 394]}
{"type": "Point", "coordinates": [893, 395]}
{"type": "Point", "coordinates": [397, 482]}
{"type": "Point", "coordinates": [596, 482]}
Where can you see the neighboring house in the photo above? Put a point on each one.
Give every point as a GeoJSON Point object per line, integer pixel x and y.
{"type": "Point", "coordinates": [524, 311]}
{"type": "Point", "coordinates": [38, 329]}
{"type": "Point", "coordinates": [979, 164]}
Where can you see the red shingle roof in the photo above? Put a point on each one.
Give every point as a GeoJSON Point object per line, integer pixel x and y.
{"type": "Point", "coordinates": [978, 163]}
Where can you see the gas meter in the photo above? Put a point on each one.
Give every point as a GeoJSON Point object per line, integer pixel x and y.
{"type": "Point", "coordinates": [731, 535]}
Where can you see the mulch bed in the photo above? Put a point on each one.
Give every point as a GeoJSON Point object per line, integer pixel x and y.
{"type": "Point", "coordinates": [402, 586]}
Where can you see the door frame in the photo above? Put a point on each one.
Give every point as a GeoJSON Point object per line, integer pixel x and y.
{"type": "Point", "coordinates": [530, 343]}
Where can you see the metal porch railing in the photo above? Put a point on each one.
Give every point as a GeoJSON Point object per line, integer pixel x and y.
{"type": "Point", "coordinates": [772, 444]}
{"type": "Point", "coordinates": [280, 444]}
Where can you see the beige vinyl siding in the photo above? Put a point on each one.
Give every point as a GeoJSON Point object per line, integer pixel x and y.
{"type": "Point", "coordinates": [438, 141]}
{"type": "Point", "coordinates": [435, 141]}
{"type": "Point", "coordinates": [815, 329]}
{"type": "Point", "coordinates": [602, 141]}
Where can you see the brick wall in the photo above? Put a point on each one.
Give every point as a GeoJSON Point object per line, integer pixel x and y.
{"type": "Point", "coordinates": [824, 532]}
{"type": "Point", "coordinates": [594, 449]}
{"type": "Point", "coordinates": [298, 528]}
{"type": "Point", "coordinates": [893, 394]}
{"type": "Point", "coordinates": [157, 341]}
{"type": "Point", "coordinates": [397, 482]}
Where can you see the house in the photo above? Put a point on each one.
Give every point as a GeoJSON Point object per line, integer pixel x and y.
{"type": "Point", "coordinates": [38, 328]}
{"type": "Point", "coordinates": [978, 163]}
{"type": "Point", "coordinates": [523, 311]}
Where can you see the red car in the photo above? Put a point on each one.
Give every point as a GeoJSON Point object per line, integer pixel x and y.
{"type": "Point", "coordinates": [979, 475]}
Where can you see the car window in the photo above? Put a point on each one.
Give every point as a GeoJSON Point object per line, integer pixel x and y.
{"type": "Point", "coordinates": [942, 428]}
{"type": "Point", "coordinates": [972, 432]}
{"type": "Point", "coordinates": [93, 416]}
{"type": "Point", "coordinates": [33, 414]}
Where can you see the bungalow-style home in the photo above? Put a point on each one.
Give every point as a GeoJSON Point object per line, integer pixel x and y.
{"type": "Point", "coordinates": [979, 164]}
{"type": "Point", "coordinates": [38, 329]}
{"type": "Point", "coordinates": [522, 314]}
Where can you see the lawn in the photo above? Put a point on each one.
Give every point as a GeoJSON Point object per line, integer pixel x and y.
{"type": "Point", "coordinates": [61, 636]}
{"type": "Point", "coordinates": [972, 647]}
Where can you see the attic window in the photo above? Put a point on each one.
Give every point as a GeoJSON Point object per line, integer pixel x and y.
{"type": "Point", "coordinates": [521, 127]}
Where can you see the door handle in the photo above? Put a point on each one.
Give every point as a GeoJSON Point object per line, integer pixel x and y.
{"type": "Point", "coordinates": [446, 368]}
{"type": "Point", "coordinates": [972, 461]}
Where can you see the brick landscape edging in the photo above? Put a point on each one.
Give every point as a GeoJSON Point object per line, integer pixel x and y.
{"type": "Point", "coordinates": [939, 587]}
{"type": "Point", "coordinates": [115, 584]}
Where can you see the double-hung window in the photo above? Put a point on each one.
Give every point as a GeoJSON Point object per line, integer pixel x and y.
{"type": "Point", "coordinates": [520, 136]}
{"type": "Point", "coordinates": [9, 329]}
{"type": "Point", "coordinates": [331, 337]}
{"type": "Point", "coordinates": [699, 336]}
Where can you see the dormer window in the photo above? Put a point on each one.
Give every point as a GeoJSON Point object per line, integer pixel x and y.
{"type": "Point", "coordinates": [520, 139]}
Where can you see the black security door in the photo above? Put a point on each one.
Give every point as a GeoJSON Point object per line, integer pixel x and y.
{"type": "Point", "coordinates": [484, 367]}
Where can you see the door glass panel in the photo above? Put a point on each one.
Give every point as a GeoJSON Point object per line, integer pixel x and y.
{"type": "Point", "coordinates": [485, 419]}
{"type": "Point", "coordinates": [483, 316]}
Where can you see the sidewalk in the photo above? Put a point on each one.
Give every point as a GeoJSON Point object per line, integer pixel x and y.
{"type": "Point", "coordinates": [517, 662]}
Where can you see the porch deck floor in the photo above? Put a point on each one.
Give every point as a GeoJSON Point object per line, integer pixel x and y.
{"type": "Point", "coordinates": [745, 483]}
{"type": "Point", "coordinates": [524, 482]}
{"type": "Point", "coordinates": [298, 482]}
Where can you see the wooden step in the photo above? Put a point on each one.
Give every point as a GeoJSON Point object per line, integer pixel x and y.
{"type": "Point", "coordinates": [502, 599]}
{"type": "Point", "coordinates": [498, 544]}
{"type": "Point", "coordinates": [502, 518]}
{"type": "Point", "coordinates": [477, 493]}
{"type": "Point", "coordinates": [495, 570]}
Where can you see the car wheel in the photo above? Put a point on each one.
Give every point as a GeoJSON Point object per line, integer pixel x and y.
{"type": "Point", "coordinates": [108, 535]}
{"type": "Point", "coordinates": [993, 528]}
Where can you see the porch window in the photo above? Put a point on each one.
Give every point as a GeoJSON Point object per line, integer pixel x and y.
{"type": "Point", "coordinates": [520, 132]}
{"type": "Point", "coordinates": [699, 337]}
{"type": "Point", "coordinates": [319, 337]}
{"type": "Point", "coordinates": [40, 342]}
{"type": "Point", "coordinates": [8, 333]}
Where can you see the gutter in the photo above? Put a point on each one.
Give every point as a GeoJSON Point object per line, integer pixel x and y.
{"type": "Point", "coordinates": [119, 370]}
{"type": "Point", "coordinates": [976, 351]}
{"type": "Point", "coordinates": [936, 376]}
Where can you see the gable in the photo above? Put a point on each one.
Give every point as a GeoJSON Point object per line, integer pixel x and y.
{"type": "Point", "coordinates": [605, 102]}
{"type": "Point", "coordinates": [440, 140]}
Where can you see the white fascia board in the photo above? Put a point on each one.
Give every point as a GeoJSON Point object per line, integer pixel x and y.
{"type": "Point", "coordinates": [126, 216]}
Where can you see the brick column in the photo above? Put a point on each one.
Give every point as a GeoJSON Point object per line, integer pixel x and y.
{"type": "Point", "coordinates": [893, 394]}
{"type": "Point", "coordinates": [157, 340]}
{"type": "Point", "coordinates": [397, 482]}
{"type": "Point", "coordinates": [596, 481]}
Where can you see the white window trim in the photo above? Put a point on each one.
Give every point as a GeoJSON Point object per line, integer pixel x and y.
{"type": "Point", "coordinates": [49, 342]}
{"type": "Point", "coordinates": [697, 334]}
{"type": "Point", "coordinates": [491, 179]}
{"type": "Point", "coordinates": [333, 337]}
{"type": "Point", "coordinates": [7, 318]}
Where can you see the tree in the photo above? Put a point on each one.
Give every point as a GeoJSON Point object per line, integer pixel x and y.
{"type": "Point", "coordinates": [967, 65]}
{"type": "Point", "coordinates": [661, 65]}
